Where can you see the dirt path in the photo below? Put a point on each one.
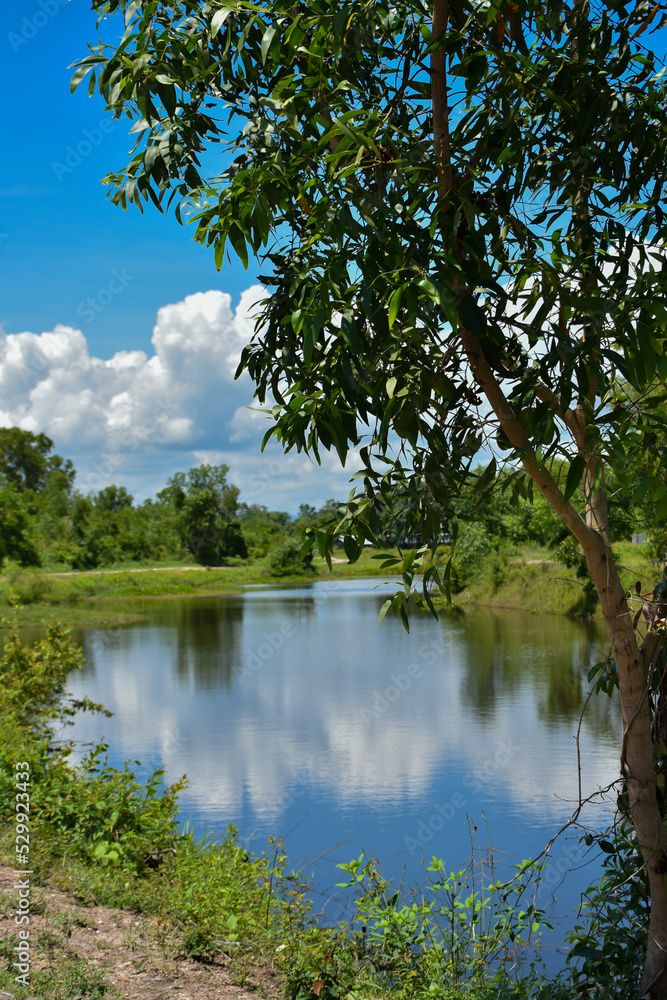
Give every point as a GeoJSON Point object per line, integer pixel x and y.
{"type": "Point", "coordinates": [140, 569]}
{"type": "Point", "coordinates": [126, 948]}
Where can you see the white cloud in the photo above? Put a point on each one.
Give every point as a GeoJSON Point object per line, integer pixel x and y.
{"type": "Point", "coordinates": [136, 417]}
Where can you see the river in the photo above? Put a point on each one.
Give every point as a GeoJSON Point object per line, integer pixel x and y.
{"type": "Point", "coordinates": [293, 714]}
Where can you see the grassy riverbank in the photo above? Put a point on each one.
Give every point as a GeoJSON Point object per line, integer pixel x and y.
{"type": "Point", "coordinates": [105, 597]}
{"type": "Point", "coordinates": [529, 580]}
{"type": "Point", "coordinates": [532, 580]}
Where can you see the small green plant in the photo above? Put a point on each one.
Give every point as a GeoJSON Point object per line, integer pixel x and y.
{"type": "Point", "coordinates": [108, 815]}
{"type": "Point", "coordinates": [461, 936]}
{"type": "Point", "coordinates": [609, 945]}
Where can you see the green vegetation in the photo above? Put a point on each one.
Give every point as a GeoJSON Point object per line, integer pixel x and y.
{"type": "Point", "coordinates": [109, 597]}
{"type": "Point", "coordinates": [198, 517]}
{"type": "Point", "coordinates": [108, 838]}
{"type": "Point", "coordinates": [535, 579]}
{"type": "Point", "coordinates": [459, 213]}
{"type": "Point", "coordinates": [510, 552]}
{"type": "Point", "coordinates": [205, 509]}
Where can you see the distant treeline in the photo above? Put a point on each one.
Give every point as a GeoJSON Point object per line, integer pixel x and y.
{"type": "Point", "coordinates": [198, 516]}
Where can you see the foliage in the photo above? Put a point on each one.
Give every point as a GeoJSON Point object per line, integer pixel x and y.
{"type": "Point", "coordinates": [460, 210]}
{"type": "Point", "coordinates": [114, 840]}
{"type": "Point", "coordinates": [206, 507]}
{"type": "Point", "coordinates": [118, 834]}
{"type": "Point", "coordinates": [287, 559]}
{"type": "Point", "coordinates": [462, 935]}
{"type": "Point", "coordinates": [607, 948]}
{"type": "Point", "coordinates": [16, 528]}
{"type": "Point", "coordinates": [263, 529]}
{"type": "Point", "coordinates": [45, 521]}
{"type": "Point", "coordinates": [32, 679]}
{"type": "Point", "coordinates": [395, 238]}
{"type": "Point", "coordinates": [108, 816]}
{"type": "Point", "coordinates": [25, 462]}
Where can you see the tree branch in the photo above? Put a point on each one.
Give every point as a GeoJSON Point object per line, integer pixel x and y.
{"type": "Point", "coordinates": [515, 433]}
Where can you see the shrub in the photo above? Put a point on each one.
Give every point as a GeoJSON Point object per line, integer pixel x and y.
{"type": "Point", "coordinates": [286, 560]}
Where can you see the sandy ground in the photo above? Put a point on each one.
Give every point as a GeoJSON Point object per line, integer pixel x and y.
{"type": "Point", "coordinates": [127, 948]}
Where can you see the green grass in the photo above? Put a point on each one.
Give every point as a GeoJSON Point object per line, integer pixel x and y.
{"type": "Point", "coordinates": [532, 580]}
{"type": "Point", "coordinates": [529, 580]}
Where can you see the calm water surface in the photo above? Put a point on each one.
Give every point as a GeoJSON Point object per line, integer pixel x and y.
{"type": "Point", "coordinates": [293, 714]}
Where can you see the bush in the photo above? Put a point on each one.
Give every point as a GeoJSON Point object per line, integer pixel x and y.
{"type": "Point", "coordinates": [108, 816]}
{"type": "Point", "coordinates": [459, 936]}
{"type": "Point", "coordinates": [286, 560]}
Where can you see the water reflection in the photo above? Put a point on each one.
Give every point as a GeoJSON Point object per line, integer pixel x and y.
{"type": "Point", "coordinates": [292, 713]}
{"type": "Point", "coordinates": [255, 695]}
{"type": "Point", "coordinates": [505, 651]}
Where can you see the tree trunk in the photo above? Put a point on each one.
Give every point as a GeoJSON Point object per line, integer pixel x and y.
{"type": "Point", "coordinates": [633, 666]}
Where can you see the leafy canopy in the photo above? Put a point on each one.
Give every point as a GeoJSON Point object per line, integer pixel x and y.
{"type": "Point", "coordinates": [460, 214]}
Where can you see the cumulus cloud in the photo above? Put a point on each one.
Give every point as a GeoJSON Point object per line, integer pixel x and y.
{"type": "Point", "coordinates": [138, 416]}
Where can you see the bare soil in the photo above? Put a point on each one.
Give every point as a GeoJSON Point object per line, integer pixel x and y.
{"type": "Point", "coordinates": [134, 954]}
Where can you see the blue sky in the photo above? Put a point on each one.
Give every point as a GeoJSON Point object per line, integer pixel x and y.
{"type": "Point", "coordinates": [62, 237]}
{"type": "Point", "coordinates": [84, 281]}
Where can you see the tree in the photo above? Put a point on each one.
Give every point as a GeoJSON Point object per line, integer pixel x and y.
{"type": "Point", "coordinates": [26, 463]}
{"type": "Point", "coordinates": [112, 499]}
{"type": "Point", "coordinates": [286, 559]}
{"type": "Point", "coordinates": [17, 535]}
{"type": "Point", "coordinates": [102, 529]}
{"type": "Point", "coordinates": [263, 529]}
{"type": "Point", "coordinates": [460, 210]}
{"type": "Point", "coordinates": [206, 506]}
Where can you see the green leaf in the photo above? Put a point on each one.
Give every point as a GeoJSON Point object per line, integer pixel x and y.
{"type": "Point", "coordinates": [574, 474]}
{"type": "Point", "coordinates": [352, 548]}
{"type": "Point", "coordinates": [395, 304]}
{"type": "Point", "coordinates": [472, 317]}
{"type": "Point", "coordinates": [268, 37]}
{"type": "Point", "coordinates": [219, 253]}
{"type": "Point", "coordinates": [644, 487]}
{"type": "Point", "coordinates": [383, 611]}
{"type": "Point", "coordinates": [150, 156]}
{"type": "Point", "coordinates": [219, 19]}
{"type": "Point", "coordinates": [237, 240]}
{"type": "Point", "coordinates": [78, 75]}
